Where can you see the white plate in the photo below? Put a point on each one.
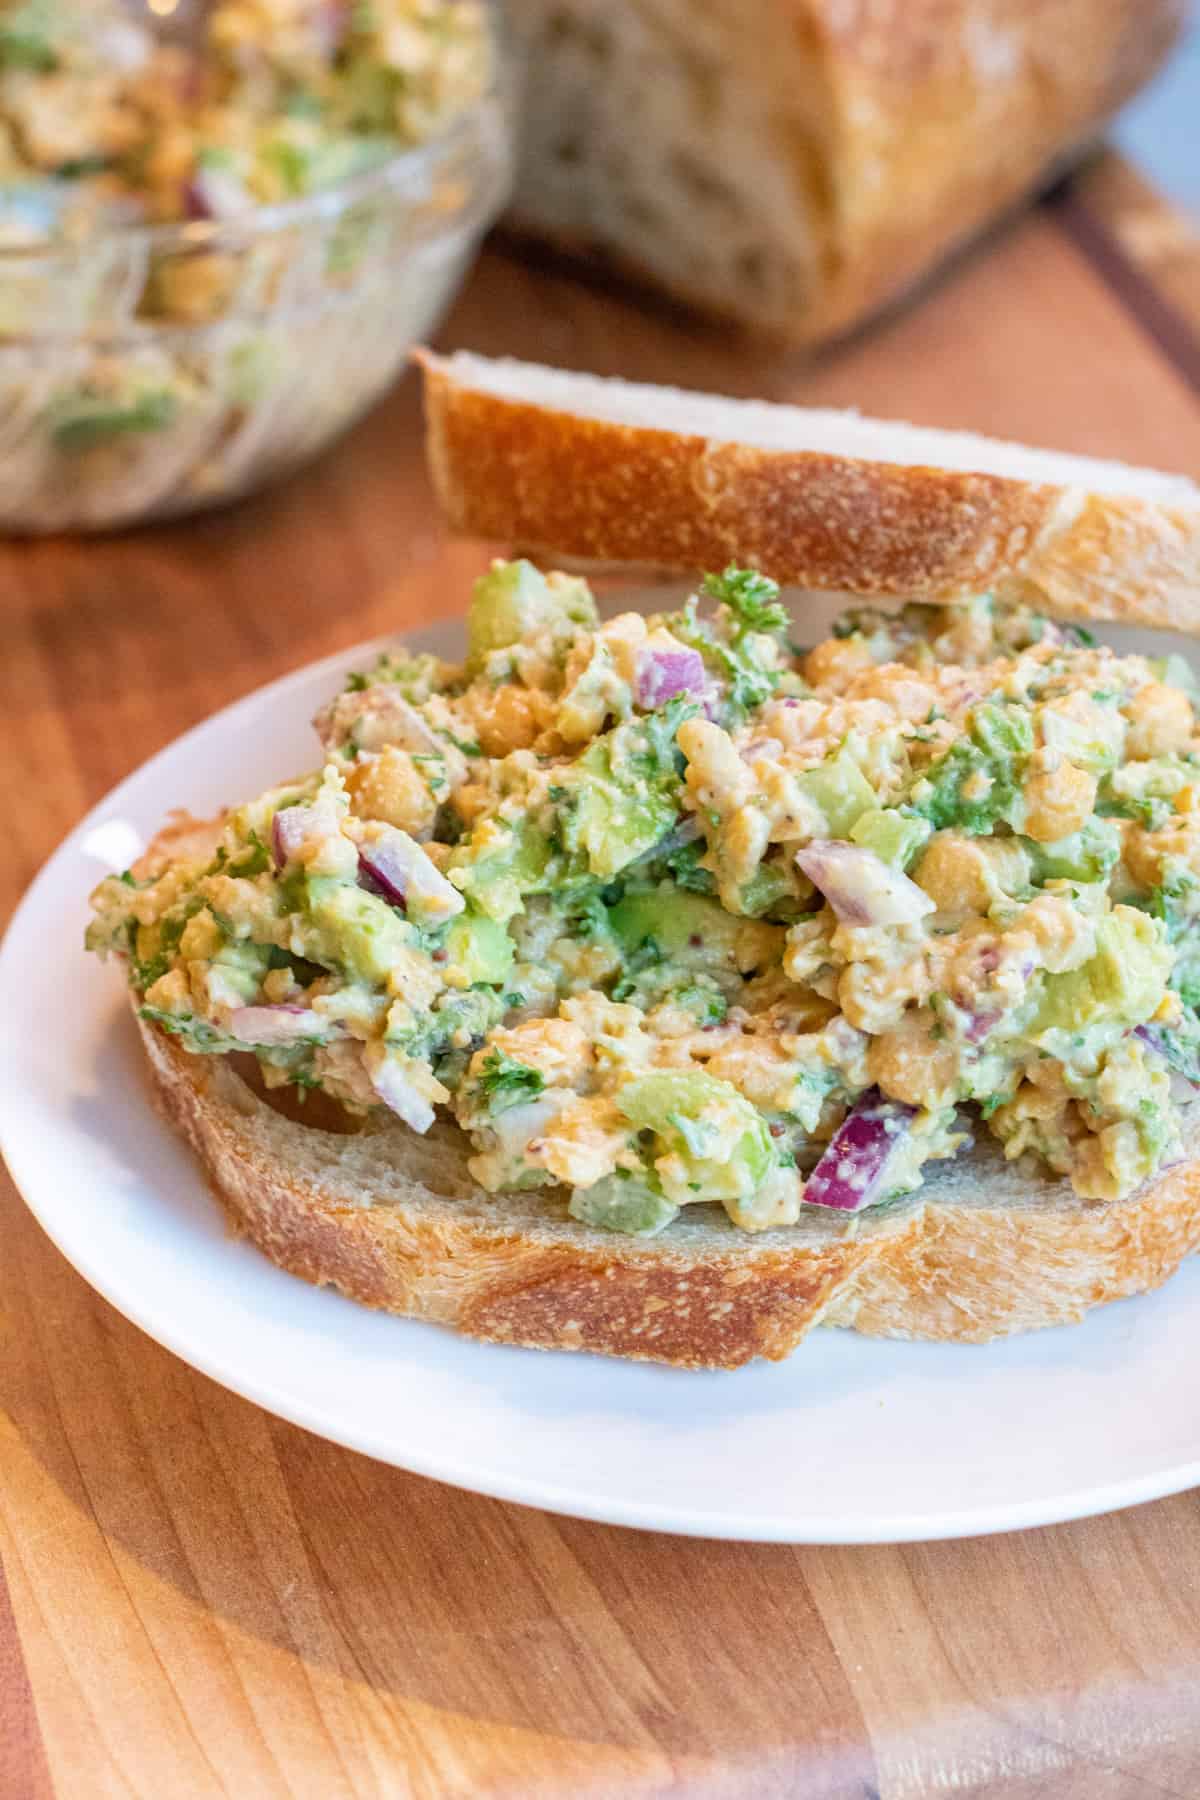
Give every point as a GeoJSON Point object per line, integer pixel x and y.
{"type": "Point", "coordinates": [851, 1441]}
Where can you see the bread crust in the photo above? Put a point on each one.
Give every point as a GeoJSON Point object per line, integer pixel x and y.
{"type": "Point", "coordinates": [946, 112]}
{"type": "Point", "coordinates": [560, 483]}
{"type": "Point", "coordinates": [904, 128]}
{"type": "Point", "coordinates": [396, 1223]}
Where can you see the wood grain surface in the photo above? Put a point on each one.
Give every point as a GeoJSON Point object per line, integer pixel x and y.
{"type": "Point", "coordinates": [197, 1600]}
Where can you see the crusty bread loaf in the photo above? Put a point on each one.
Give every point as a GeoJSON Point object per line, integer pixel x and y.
{"type": "Point", "coordinates": [615, 471]}
{"type": "Point", "coordinates": [793, 164]}
{"type": "Point", "coordinates": [395, 1221]}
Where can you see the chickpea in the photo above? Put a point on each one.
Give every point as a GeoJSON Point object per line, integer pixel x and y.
{"type": "Point", "coordinates": [835, 663]}
{"type": "Point", "coordinates": [391, 788]}
{"type": "Point", "coordinates": [201, 937]}
{"type": "Point", "coordinates": [717, 776]}
{"type": "Point", "coordinates": [512, 722]}
{"type": "Point", "coordinates": [903, 691]}
{"type": "Point", "coordinates": [743, 846]}
{"type": "Point", "coordinates": [1160, 721]}
{"type": "Point", "coordinates": [874, 999]}
{"type": "Point", "coordinates": [967, 638]}
{"type": "Point", "coordinates": [1058, 802]}
{"type": "Point", "coordinates": [954, 873]}
{"type": "Point", "coordinates": [170, 993]}
{"type": "Point", "coordinates": [1146, 853]}
{"type": "Point", "coordinates": [1062, 936]}
{"type": "Point", "coordinates": [911, 1065]}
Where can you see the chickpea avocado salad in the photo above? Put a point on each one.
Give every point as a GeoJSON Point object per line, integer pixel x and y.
{"type": "Point", "coordinates": [222, 226]}
{"type": "Point", "coordinates": [105, 121]}
{"type": "Point", "coordinates": [663, 911]}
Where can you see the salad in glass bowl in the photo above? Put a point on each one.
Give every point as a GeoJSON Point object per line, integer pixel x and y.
{"type": "Point", "coordinates": [221, 228]}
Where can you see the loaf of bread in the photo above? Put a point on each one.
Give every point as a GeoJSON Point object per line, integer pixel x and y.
{"type": "Point", "coordinates": [796, 164]}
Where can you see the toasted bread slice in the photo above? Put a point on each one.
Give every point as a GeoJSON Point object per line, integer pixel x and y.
{"type": "Point", "coordinates": [615, 471]}
{"type": "Point", "coordinates": [395, 1221]}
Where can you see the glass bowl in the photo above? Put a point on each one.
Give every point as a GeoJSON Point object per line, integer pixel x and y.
{"type": "Point", "coordinates": [153, 370]}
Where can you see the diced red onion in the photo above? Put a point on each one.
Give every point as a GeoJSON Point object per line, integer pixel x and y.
{"type": "Point", "coordinates": [121, 46]}
{"type": "Point", "coordinates": [399, 869]}
{"type": "Point", "coordinates": [405, 1100]}
{"type": "Point", "coordinates": [375, 716]}
{"type": "Point", "coordinates": [661, 674]}
{"type": "Point", "coordinates": [759, 748]}
{"type": "Point", "coordinates": [861, 888]}
{"type": "Point", "coordinates": [332, 22]}
{"type": "Point", "coordinates": [216, 194]}
{"type": "Point", "coordinates": [276, 1025]}
{"type": "Point", "coordinates": [295, 827]}
{"type": "Point", "coordinates": [980, 1024]}
{"type": "Point", "coordinates": [853, 1171]}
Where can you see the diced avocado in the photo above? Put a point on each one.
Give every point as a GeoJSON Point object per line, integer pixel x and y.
{"type": "Point", "coordinates": [446, 1034]}
{"type": "Point", "coordinates": [720, 1138]}
{"type": "Point", "coordinates": [355, 930]}
{"type": "Point", "coordinates": [662, 984]}
{"type": "Point", "coordinates": [25, 38]}
{"type": "Point", "coordinates": [82, 421]}
{"type": "Point", "coordinates": [684, 928]}
{"type": "Point", "coordinates": [1095, 745]}
{"type": "Point", "coordinates": [251, 369]}
{"type": "Point", "coordinates": [686, 870]}
{"type": "Point", "coordinates": [480, 947]}
{"type": "Point", "coordinates": [1145, 790]}
{"type": "Point", "coordinates": [611, 826]}
{"type": "Point", "coordinates": [245, 963]}
{"type": "Point", "coordinates": [654, 1102]}
{"type": "Point", "coordinates": [1089, 855]}
{"type": "Point", "coordinates": [622, 797]}
{"type": "Point", "coordinates": [769, 886]}
{"type": "Point", "coordinates": [1174, 671]}
{"type": "Point", "coordinates": [499, 865]}
{"type": "Point", "coordinates": [1122, 983]}
{"type": "Point", "coordinates": [514, 599]}
{"type": "Point", "coordinates": [841, 790]}
{"type": "Point", "coordinates": [623, 1202]}
{"type": "Point", "coordinates": [895, 837]}
{"type": "Point", "coordinates": [703, 999]}
{"type": "Point", "coordinates": [1176, 901]}
{"type": "Point", "coordinates": [1001, 731]}
{"type": "Point", "coordinates": [368, 93]}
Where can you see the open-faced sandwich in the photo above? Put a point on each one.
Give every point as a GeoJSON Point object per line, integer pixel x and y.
{"type": "Point", "coordinates": [653, 986]}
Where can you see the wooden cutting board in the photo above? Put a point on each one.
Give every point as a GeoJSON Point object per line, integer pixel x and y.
{"type": "Point", "coordinates": [196, 1599]}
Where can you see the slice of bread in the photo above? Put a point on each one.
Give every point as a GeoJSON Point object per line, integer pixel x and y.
{"type": "Point", "coordinates": [608, 471]}
{"type": "Point", "coordinates": [395, 1221]}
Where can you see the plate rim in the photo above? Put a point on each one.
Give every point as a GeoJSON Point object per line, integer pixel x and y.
{"type": "Point", "coordinates": [1062, 1506]}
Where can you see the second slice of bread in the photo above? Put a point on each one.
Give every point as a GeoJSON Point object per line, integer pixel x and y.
{"type": "Point", "coordinates": [578, 467]}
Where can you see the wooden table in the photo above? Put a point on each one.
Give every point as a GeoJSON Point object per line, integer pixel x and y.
{"type": "Point", "coordinates": [196, 1599]}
